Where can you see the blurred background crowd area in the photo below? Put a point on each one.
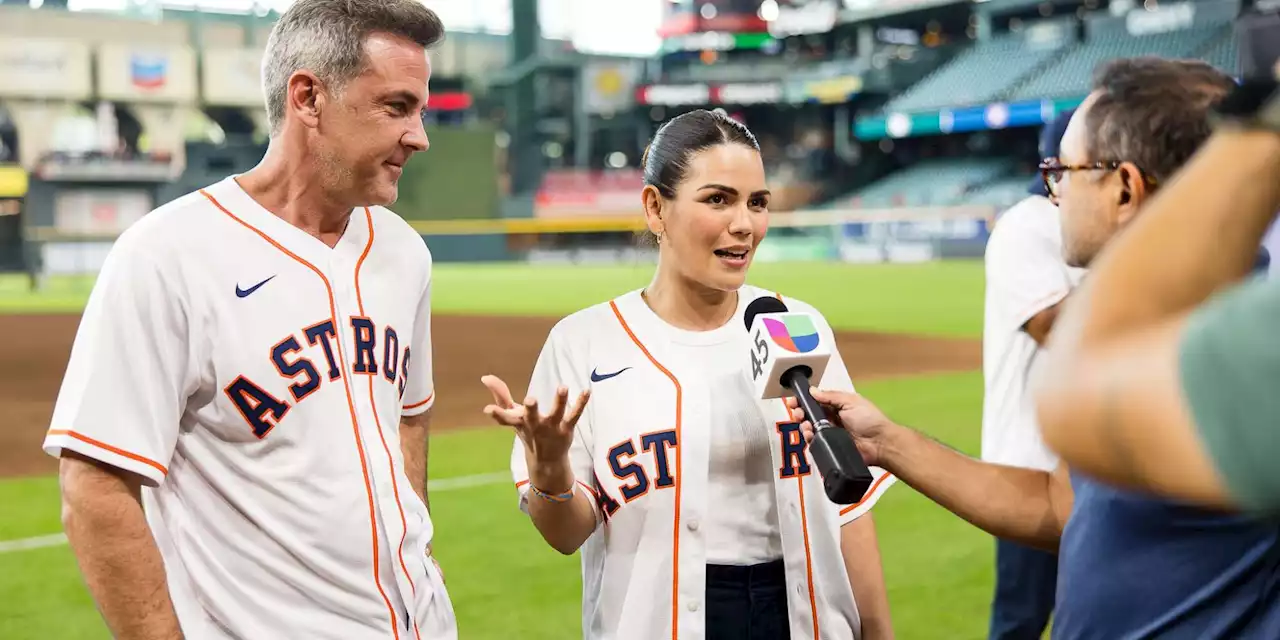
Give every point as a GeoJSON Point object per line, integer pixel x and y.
{"type": "Point", "coordinates": [927, 110]}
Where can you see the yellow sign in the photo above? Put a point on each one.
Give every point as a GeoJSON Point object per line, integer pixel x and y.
{"type": "Point", "coordinates": [13, 181]}
{"type": "Point", "coordinates": [834, 90]}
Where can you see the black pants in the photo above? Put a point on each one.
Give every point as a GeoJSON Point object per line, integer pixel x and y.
{"type": "Point", "coordinates": [747, 603]}
{"type": "Point", "coordinates": [1026, 581]}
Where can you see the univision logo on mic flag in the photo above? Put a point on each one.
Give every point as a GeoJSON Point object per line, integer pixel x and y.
{"type": "Point", "coordinates": [793, 333]}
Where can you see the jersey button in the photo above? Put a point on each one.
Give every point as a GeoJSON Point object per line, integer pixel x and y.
{"type": "Point", "coordinates": [693, 524]}
{"type": "Point", "coordinates": [693, 605]}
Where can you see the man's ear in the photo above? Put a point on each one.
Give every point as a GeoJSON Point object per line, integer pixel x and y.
{"type": "Point", "coordinates": [304, 96]}
{"type": "Point", "coordinates": [1133, 191]}
{"type": "Point", "coordinates": [653, 202]}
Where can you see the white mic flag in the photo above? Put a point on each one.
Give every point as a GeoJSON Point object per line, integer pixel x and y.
{"type": "Point", "coordinates": [781, 342]}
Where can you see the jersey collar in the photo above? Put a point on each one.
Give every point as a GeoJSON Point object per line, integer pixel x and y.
{"type": "Point", "coordinates": [232, 197]}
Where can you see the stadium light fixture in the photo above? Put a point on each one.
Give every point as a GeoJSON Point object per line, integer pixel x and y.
{"type": "Point", "coordinates": [768, 10]}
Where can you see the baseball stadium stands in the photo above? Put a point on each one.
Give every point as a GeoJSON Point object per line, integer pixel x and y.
{"type": "Point", "coordinates": [1071, 75]}
{"type": "Point", "coordinates": [941, 181]}
{"type": "Point", "coordinates": [1223, 53]}
{"type": "Point", "coordinates": [1000, 193]}
{"type": "Point", "coordinates": [978, 75]}
{"type": "Point", "coordinates": [1008, 69]}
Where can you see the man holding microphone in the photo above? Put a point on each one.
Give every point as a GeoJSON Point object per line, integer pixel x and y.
{"type": "Point", "coordinates": [1130, 566]}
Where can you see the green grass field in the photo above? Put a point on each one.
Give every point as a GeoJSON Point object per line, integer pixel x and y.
{"type": "Point", "coordinates": [940, 298]}
{"type": "Point", "coordinates": [505, 582]}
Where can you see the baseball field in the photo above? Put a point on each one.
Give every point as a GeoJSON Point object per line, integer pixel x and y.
{"type": "Point", "coordinates": [910, 335]}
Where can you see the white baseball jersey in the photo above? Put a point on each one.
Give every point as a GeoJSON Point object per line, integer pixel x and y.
{"type": "Point", "coordinates": [1025, 274]}
{"type": "Point", "coordinates": [255, 378]}
{"type": "Point", "coordinates": [670, 408]}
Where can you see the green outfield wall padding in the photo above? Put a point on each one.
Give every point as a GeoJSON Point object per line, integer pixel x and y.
{"type": "Point", "coordinates": [456, 178]}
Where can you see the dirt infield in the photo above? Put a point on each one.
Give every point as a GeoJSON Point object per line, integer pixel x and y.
{"type": "Point", "coordinates": [36, 348]}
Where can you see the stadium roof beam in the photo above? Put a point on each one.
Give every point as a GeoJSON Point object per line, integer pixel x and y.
{"type": "Point", "coordinates": [531, 65]}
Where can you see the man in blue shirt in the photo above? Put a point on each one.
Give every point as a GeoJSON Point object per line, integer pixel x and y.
{"type": "Point", "coordinates": [1130, 566]}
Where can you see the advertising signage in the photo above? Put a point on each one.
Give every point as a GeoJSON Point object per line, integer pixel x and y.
{"type": "Point", "coordinates": [719, 41]}
{"type": "Point", "coordinates": [800, 91]}
{"type": "Point", "coordinates": [997, 115]}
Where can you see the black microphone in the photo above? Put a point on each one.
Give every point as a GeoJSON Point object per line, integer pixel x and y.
{"type": "Point", "coordinates": [787, 352]}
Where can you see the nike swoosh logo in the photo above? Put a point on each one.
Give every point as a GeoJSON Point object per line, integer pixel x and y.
{"type": "Point", "coordinates": [244, 293]}
{"type": "Point", "coordinates": [596, 377]}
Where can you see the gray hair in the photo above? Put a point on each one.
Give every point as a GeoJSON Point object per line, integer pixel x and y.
{"type": "Point", "coordinates": [1153, 112]}
{"type": "Point", "coordinates": [326, 37]}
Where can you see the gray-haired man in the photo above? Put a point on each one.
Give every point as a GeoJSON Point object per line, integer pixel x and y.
{"type": "Point", "coordinates": [254, 367]}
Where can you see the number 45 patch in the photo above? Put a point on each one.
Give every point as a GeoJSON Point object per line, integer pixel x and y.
{"type": "Point", "coordinates": [759, 355]}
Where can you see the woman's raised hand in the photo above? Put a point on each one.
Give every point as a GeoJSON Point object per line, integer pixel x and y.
{"type": "Point", "coordinates": [546, 437]}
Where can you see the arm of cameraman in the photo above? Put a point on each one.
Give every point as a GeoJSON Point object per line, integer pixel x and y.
{"type": "Point", "coordinates": [1118, 403]}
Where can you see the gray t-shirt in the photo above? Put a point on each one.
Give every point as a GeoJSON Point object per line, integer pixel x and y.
{"type": "Point", "coordinates": [1230, 367]}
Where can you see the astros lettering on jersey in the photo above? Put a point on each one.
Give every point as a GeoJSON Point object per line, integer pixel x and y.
{"type": "Point", "coordinates": [255, 378]}
{"type": "Point", "coordinates": [663, 402]}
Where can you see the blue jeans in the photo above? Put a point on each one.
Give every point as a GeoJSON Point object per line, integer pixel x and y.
{"type": "Point", "coordinates": [747, 602]}
{"type": "Point", "coordinates": [1026, 582]}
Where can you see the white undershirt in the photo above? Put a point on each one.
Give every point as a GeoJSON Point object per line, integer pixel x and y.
{"type": "Point", "coordinates": [742, 508]}
{"type": "Point", "coordinates": [1025, 274]}
{"type": "Point", "coordinates": [741, 523]}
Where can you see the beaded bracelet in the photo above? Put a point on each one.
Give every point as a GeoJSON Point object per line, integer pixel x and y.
{"type": "Point", "coordinates": [558, 498]}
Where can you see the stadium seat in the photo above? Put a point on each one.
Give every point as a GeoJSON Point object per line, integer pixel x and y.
{"type": "Point", "coordinates": [1072, 74]}
{"type": "Point", "coordinates": [1001, 193]}
{"type": "Point", "coordinates": [1223, 53]}
{"type": "Point", "coordinates": [937, 182]}
{"type": "Point", "coordinates": [978, 75]}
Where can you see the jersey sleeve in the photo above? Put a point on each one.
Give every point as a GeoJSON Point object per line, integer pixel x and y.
{"type": "Point", "coordinates": [1025, 271]}
{"type": "Point", "coordinates": [555, 367]}
{"type": "Point", "coordinates": [133, 365]}
{"type": "Point", "coordinates": [1228, 361]}
{"type": "Point", "coordinates": [419, 389]}
{"type": "Point", "coordinates": [836, 378]}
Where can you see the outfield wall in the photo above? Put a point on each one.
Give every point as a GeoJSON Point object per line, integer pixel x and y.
{"type": "Point", "coordinates": [78, 245]}
{"type": "Point", "coordinates": [849, 235]}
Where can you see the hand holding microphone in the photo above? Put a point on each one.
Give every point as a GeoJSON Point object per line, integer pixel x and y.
{"type": "Point", "coordinates": [856, 414]}
{"type": "Point", "coordinates": [786, 353]}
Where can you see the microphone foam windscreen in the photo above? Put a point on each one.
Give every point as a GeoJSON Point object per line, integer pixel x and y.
{"type": "Point", "coordinates": [762, 305]}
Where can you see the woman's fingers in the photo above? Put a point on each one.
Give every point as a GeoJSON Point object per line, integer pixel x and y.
{"type": "Point", "coordinates": [525, 417]}
{"type": "Point", "coordinates": [498, 389]}
{"type": "Point", "coordinates": [557, 410]}
{"type": "Point", "coordinates": [532, 419]}
{"type": "Point", "coordinates": [510, 417]}
{"type": "Point", "coordinates": [578, 407]}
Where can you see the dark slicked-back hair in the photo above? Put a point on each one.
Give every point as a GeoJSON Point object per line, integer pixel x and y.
{"type": "Point", "coordinates": [666, 159]}
{"type": "Point", "coordinates": [1153, 112]}
{"type": "Point", "coordinates": [327, 38]}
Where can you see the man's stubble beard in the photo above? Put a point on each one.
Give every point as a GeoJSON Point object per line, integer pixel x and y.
{"type": "Point", "coordinates": [336, 177]}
